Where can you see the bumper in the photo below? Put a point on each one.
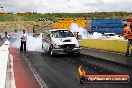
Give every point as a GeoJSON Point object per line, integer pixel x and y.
{"type": "Point", "coordinates": [66, 50]}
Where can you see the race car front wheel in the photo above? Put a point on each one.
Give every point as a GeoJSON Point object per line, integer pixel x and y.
{"type": "Point", "coordinates": [51, 51]}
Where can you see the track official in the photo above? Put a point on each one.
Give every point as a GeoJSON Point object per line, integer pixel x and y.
{"type": "Point", "coordinates": [128, 35]}
{"type": "Point", "coordinates": [23, 41]}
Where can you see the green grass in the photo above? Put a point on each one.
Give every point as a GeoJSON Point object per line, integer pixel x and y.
{"type": "Point", "coordinates": [6, 17]}
{"type": "Point", "coordinates": [56, 16]}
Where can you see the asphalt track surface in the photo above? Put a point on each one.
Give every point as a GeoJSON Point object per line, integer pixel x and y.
{"type": "Point", "coordinates": [61, 71]}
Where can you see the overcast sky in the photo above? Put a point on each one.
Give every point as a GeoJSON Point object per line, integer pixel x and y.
{"type": "Point", "coordinates": [68, 6]}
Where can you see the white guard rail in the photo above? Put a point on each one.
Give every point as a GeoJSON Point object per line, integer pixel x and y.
{"type": "Point", "coordinates": [4, 55]}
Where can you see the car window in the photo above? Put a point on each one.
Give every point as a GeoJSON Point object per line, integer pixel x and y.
{"type": "Point", "coordinates": [111, 34]}
{"type": "Point", "coordinates": [62, 34]}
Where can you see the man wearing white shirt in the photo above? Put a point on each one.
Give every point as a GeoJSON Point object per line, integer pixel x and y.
{"type": "Point", "coordinates": [23, 41]}
{"type": "Point", "coordinates": [6, 36]}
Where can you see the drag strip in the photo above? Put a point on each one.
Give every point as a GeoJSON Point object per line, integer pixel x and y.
{"type": "Point", "coordinates": [61, 71]}
{"type": "Point", "coordinates": [22, 74]}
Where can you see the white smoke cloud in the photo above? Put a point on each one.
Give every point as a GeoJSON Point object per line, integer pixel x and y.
{"type": "Point", "coordinates": [33, 43]}
{"type": "Point", "coordinates": [81, 31]}
{"type": "Point", "coordinates": [47, 6]}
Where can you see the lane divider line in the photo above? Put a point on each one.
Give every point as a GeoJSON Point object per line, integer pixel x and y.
{"type": "Point", "coordinates": [36, 75]}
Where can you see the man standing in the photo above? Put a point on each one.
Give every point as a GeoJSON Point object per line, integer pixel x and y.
{"type": "Point", "coordinates": [128, 35]}
{"type": "Point", "coordinates": [23, 41]}
{"type": "Point", "coordinates": [6, 36]}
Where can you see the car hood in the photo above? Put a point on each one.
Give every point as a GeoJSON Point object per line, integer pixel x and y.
{"type": "Point", "coordinates": [67, 40]}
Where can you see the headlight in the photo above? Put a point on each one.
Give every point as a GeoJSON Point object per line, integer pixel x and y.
{"type": "Point", "coordinates": [55, 46]}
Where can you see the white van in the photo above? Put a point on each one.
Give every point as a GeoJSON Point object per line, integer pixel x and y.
{"type": "Point", "coordinates": [61, 41]}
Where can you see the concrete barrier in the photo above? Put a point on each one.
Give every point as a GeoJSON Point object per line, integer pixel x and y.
{"type": "Point", "coordinates": [4, 55]}
{"type": "Point", "coordinates": [105, 44]}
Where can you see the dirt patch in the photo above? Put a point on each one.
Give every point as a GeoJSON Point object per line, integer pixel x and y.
{"type": "Point", "coordinates": [25, 25]}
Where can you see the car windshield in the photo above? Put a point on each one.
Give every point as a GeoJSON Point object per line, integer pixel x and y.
{"type": "Point", "coordinates": [62, 34]}
{"type": "Point", "coordinates": [111, 34]}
